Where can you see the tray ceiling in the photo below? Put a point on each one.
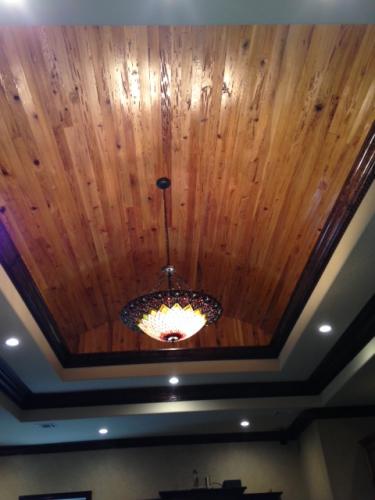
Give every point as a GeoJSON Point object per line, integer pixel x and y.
{"type": "Point", "coordinates": [257, 126]}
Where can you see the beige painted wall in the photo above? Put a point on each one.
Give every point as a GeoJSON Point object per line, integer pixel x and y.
{"type": "Point", "coordinates": [327, 464]}
{"type": "Point", "coordinates": [334, 463]}
{"type": "Point", "coordinates": [139, 473]}
{"type": "Point", "coordinates": [314, 465]}
{"type": "Point", "coordinates": [346, 461]}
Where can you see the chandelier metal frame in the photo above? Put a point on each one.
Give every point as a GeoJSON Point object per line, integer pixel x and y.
{"type": "Point", "coordinates": [177, 298]}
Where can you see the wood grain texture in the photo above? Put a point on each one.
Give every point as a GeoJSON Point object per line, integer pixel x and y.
{"type": "Point", "coordinates": [257, 126]}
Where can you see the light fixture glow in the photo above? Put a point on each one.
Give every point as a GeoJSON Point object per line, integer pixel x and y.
{"type": "Point", "coordinates": [103, 431]}
{"type": "Point", "coordinates": [12, 342]}
{"type": "Point", "coordinates": [171, 315]}
{"type": "Point", "coordinates": [244, 423]}
{"type": "Point", "coordinates": [174, 380]}
{"type": "Point", "coordinates": [325, 328]}
{"type": "Point", "coordinates": [174, 323]}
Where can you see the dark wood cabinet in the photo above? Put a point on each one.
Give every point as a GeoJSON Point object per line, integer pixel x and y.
{"type": "Point", "coordinates": [217, 493]}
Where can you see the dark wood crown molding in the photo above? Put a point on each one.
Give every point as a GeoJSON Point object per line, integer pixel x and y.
{"type": "Point", "coordinates": [12, 386]}
{"type": "Point", "coordinates": [338, 412]}
{"type": "Point", "coordinates": [357, 335]}
{"type": "Point", "coordinates": [165, 394]}
{"type": "Point", "coordinates": [21, 278]}
{"type": "Point", "coordinates": [238, 437]}
{"type": "Point", "coordinates": [361, 176]}
{"type": "Point", "coordinates": [282, 435]}
{"type": "Point", "coordinates": [352, 193]}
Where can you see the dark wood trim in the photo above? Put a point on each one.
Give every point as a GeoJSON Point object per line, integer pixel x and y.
{"type": "Point", "coordinates": [359, 180]}
{"type": "Point", "coordinates": [239, 437]}
{"type": "Point", "coordinates": [327, 413]}
{"type": "Point", "coordinates": [166, 356]}
{"type": "Point", "coordinates": [357, 335]}
{"type": "Point", "coordinates": [282, 435]}
{"type": "Point", "coordinates": [12, 385]}
{"type": "Point", "coordinates": [21, 278]}
{"type": "Point", "coordinates": [52, 496]}
{"type": "Point", "coordinates": [352, 193]}
{"type": "Point", "coordinates": [165, 394]}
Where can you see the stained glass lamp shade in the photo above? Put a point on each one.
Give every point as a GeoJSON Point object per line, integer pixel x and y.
{"type": "Point", "coordinates": [171, 315]}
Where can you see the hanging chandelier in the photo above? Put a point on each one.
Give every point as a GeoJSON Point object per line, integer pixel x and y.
{"type": "Point", "coordinates": [174, 312]}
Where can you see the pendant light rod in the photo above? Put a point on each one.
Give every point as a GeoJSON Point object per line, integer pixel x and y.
{"type": "Point", "coordinates": [167, 244]}
{"type": "Point", "coordinates": [164, 183]}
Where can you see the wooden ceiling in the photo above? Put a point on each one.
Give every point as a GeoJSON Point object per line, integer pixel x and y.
{"type": "Point", "coordinates": [257, 126]}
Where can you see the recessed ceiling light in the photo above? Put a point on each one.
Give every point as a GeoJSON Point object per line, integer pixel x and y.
{"type": "Point", "coordinates": [244, 423]}
{"type": "Point", "coordinates": [12, 342]}
{"type": "Point", "coordinates": [325, 328]}
{"type": "Point", "coordinates": [103, 431]}
{"type": "Point", "coordinates": [174, 380]}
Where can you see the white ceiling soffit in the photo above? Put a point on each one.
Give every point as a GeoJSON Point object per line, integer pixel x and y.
{"type": "Point", "coordinates": [195, 12]}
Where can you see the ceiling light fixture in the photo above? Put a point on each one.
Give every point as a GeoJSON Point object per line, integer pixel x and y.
{"type": "Point", "coordinates": [12, 342]}
{"type": "Point", "coordinates": [174, 380]}
{"type": "Point", "coordinates": [103, 431]}
{"type": "Point", "coordinates": [325, 328]}
{"type": "Point", "coordinates": [176, 312]}
{"type": "Point", "coordinates": [244, 423]}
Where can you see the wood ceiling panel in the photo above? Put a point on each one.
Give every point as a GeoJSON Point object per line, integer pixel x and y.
{"type": "Point", "coordinates": [257, 126]}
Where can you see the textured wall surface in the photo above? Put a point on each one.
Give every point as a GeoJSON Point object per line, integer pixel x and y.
{"type": "Point", "coordinates": [314, 465]}
{"type": "Point", "coordinates": [345, 458]}
{"type": "Point", "coordinates": [327, 464]}
{"type": "Point", "coordinates": [334, 463]}
{"type": "Point", "coordinates": [136, 474]}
